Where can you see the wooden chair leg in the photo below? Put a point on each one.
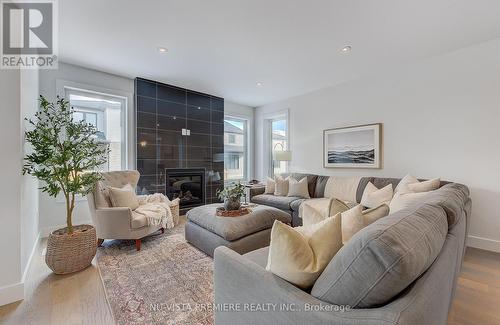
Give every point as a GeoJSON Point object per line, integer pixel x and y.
{"type": "Point", "coordinates": [138, 244]}
{"type": "Point", "coordinates": [99, 242]}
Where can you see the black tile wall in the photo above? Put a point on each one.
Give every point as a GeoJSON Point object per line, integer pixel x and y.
{"type": "Point", "coordinates": [162, 112]}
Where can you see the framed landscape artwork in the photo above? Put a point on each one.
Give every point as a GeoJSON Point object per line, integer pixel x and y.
{"type": "Point", "coordinates": [353, 147]}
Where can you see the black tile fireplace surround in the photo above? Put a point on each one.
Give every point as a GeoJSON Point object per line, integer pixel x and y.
{"type": "Point", "coordinates": [178, 128]}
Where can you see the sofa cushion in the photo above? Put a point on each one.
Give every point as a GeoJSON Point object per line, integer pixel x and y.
{"type": "Point", "coordinates": [453, 198]}
{"type": "Point", "coordinates": [280, 202]}
{"type": "Point", "coordinates": [382, 259]}
{"type": "Point", "coordinates": [319, 190]}
{"type": "Point", "coordinates": [295, 205]}
{"type": "Point", "coordinates": [258, 256]}
{"type": "Point", "coordinates": [342, 188]}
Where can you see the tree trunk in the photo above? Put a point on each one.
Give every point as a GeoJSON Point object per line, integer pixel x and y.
{"type": "Point", "coordinates": [69, 212]}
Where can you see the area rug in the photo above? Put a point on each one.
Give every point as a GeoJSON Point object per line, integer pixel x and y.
{"type": "Point", "coordinates": [167, 282]}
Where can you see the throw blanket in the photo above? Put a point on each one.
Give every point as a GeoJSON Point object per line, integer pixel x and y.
{"type": "Point", "coordinates": [156, 209]}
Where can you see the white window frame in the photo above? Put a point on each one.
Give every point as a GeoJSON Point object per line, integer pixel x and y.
{"type": "Point", "coordinates": [246, 144]}
{"type": "Point", "coordinates": [267, 137]}
{"type": "Point", "coordinates": [128, 118]}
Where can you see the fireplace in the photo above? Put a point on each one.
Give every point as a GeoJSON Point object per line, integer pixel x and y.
{"type": "Point", "coordinates": [187, 184]}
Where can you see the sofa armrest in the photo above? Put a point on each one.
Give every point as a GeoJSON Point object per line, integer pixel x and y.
{"type": "Point", "coordinates": [110, 221]}
{"type": "Point", "coordinates": [256, 191]}
{"type": "Point", "coordinates": [244, 289]}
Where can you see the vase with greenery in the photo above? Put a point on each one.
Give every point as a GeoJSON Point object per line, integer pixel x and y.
{"type": "Point", "coordinates": [64, 156]}
{"type": "Point", "coordinates": [231, 195]}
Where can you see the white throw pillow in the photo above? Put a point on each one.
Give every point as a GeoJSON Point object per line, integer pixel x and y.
{"type": "Point", "coordinates": [355, 219]}
{"type": "Point", "coordinates": [123, 197]}
{"type": "Point", "coordinates": [281, 186]}
{"type": "Point", "coordinates": [374, 197]}
{"type": "Point", "coordinates": [426, 186]}
{"type": "Point", "coordinates": [316, 210]}
{"type": "Point", "coordinates": [299, 255]}
{"type": "Point", "coordinates": [270, 186]}
{"type": "Point", "coordinates": [403, 184]}
{"type": "Point", "coordinates": [298, 188]}
{"type": "Point", "coordinates": [403, 201]}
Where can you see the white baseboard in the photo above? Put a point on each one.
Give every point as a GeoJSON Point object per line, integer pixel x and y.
{"type": "Point", "coordinates": [46, 231]}
{"type": "Point", "coordinates": [15, 292]}
{"type": "Point", "coordinates": [11, 293]}
{"type": "Point", "coordinates": [483, 243]}
{"type": "Point", "coordinates": [30, 259]}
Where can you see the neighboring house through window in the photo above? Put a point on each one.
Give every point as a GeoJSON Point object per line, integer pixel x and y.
{"type": "Point", "coordinates": [235, 149]}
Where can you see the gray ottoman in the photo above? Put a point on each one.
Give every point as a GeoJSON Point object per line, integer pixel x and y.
{"type": "Point", "coordinates": [243, 234]}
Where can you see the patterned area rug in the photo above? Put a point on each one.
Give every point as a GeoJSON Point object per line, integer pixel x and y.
{"type": "Point", "coordinates": [167, 282]}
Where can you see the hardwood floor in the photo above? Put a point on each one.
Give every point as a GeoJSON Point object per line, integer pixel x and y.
{"type": "Point", "coordinates": [477, 300]}
{"type": "Point", "coordinates": [77, 298]}
{"type": "Point", "coordinates": [80, 299]}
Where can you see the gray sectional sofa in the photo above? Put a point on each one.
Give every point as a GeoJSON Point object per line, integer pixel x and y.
{"type": "Point", "coordinates": [402, 269]}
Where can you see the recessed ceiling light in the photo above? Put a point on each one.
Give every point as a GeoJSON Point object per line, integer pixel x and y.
{"type": "Point", "coordinates": [346, 49]}
{"type": "Point", "coordinates": [162, 50]}
{"type": "Point", "coordinates": [259, 84]}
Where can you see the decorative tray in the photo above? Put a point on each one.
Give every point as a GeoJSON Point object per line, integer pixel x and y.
{"type": "Point", "coordinates": [221, 212]}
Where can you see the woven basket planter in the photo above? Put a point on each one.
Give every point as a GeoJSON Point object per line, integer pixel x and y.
{"type": "Point", "coordinates": [71, 253]}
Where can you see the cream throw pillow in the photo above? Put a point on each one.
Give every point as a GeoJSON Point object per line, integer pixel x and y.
{"type": "Point", "coordinates": [410, 191]}
{"type": "Point", "coordinates": [403, 201]}
{"type": "Point", "coordinates": [403, 184]}
{"type": "Point", "coordinates": [281, 186]}
{"type": "Point", "coordinates": [316, 210]}
{"type": "Point", "coordinates": [373, 197]}
{"type": "Point", "coordinates": [355, 219]}
{"type": "Point", "coordinates": [299, 255]}
{"type": "Point", "coordinates": [123, 197]}
{"type": "Point", "coordinates": [298, 188]}
{"type": "Point", "coordinates": [270, 186]}
{"type": "Point", "coordinates": [426, 186]}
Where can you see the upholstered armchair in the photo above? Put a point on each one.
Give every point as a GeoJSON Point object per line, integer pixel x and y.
{"type": "Point", "coordinates": [119, 222]}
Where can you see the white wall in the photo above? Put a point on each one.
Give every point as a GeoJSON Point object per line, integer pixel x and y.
{"type": "Point", "coordinates": [52, 211]}
{"type": "Point", "coordinates": [29, 186]}
{"type": "Point", "coordinates": [18, 194]}
{"type": "Point", "coordinates": [245, 112]}
{"type": "Point", "coordinates": [10, 191]}
{"type": "Point", "coordinates": [440, 118]}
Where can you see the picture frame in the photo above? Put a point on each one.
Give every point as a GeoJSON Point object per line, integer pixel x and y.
{"type": "Point", "coordinates": [357, 146]}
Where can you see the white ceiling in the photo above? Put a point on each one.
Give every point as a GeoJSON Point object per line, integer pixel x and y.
{"type": "Point", "coordinates": [224, 47]}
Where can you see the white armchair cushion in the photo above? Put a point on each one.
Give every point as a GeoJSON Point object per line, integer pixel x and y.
{"type": "Point", "coordinates": [124, 197]}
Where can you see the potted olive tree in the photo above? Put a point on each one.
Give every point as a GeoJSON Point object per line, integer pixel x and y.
{"type": "Point", "coordinates": [231, 195]}
{"type": "Point", "coordinates": [65, 154]}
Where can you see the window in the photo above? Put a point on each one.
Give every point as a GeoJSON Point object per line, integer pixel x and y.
{"type": "Point", "coordinates": [108, 114]}
{"type": "Point", "coordinates": [279, 141]}
{"type": "Point", "coordinates": [235, 149]}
